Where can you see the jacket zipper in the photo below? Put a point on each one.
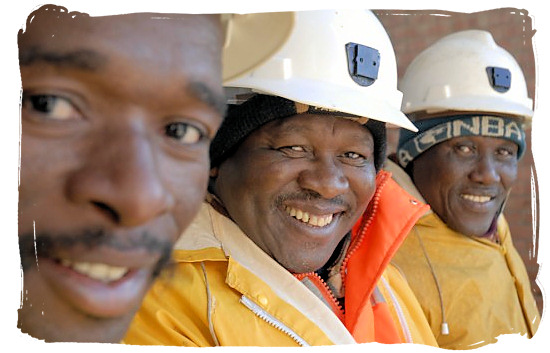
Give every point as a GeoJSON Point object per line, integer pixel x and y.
{"type": "Point", "coordinates": [335, 305]}
{"type": "Point", "coordinates": [270, 319]}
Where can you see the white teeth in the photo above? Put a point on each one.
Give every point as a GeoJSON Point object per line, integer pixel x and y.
{"type": "Point", "coordinates": [97, 271]}
{"type": "Point", "coordinates": [305, 217]}
{"type": "Point", "coordinates": [313, 221]}
{"type": "Point", "coordinates": [476, 198]}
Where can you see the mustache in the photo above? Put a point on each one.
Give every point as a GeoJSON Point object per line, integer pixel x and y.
{"type": "Point", "coordinates": [46, 245]}
{"type": "Point", "coordinates": [309, 195]}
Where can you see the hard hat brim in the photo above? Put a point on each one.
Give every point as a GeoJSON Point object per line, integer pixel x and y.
{"type": "Point", "coordinates": [344, 99]}
{"type": "Point", "coordinates": [251, 39]}
{"type": "Point", "coordinates": [495, 105]}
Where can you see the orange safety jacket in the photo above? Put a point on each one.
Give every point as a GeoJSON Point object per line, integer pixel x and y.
{"type": "Point", "coordinates": [224, 290]}
{"type": "Point", "coordinates": [376, 237]}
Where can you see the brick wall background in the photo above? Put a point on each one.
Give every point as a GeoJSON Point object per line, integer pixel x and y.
{"type": "Point", "coordinates": [413, 31]}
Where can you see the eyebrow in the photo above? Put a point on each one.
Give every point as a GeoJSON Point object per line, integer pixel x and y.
{"type": "Point", "coordinates": [82, 59]}
{"type": "Point", "coordinates": [284, 128]}
{"type": "Point", "coordinates": [208, 96]}
{"type": "Point", "coordinates": [90, 60]}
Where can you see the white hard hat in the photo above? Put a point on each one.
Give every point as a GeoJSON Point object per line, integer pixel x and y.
{"type": "Point", "coordinates": [340, 60]}
{"type": "Point", "coordinates": [466, 72]}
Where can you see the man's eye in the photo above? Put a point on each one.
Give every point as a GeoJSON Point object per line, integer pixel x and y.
{"type": "Point", "coordinates": [464, 149]}
{"type": "Point", "coordinates": [293, 151]}
{"type": "Point", "coordinates": [352, 155]}
{"type": "Point", "coordinates": [354, 159]}
{"type": "Point", "coordinates": [53, 107]}
{"type": "Point", "coordinates": [506, 152]}
{"type": "Point", "coordinates": [186, 134]}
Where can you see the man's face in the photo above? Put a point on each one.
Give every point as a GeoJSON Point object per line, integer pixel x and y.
{"type": "Point", "coordinates": [117, 116]}
{"type": "Point", "coordinates": [466, 180]}
{"type": "Point", "coordinates": [297, 185]}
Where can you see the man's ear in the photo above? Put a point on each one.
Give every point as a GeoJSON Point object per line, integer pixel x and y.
{"type": "Point", "coordinates": [214, 172]}
{"type": "Point", "coordinates": [212, 180]}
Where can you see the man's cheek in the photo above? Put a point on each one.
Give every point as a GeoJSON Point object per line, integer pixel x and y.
{"type": "Point", "coordinates": [189, 194]}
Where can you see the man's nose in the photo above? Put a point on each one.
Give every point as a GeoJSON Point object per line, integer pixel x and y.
{"type": "Point", "coordinates": [121, 179]}
{"type": "Point", "coordinates": [325, 177]}
{"type": "Point", "coordinates": [485, 170]}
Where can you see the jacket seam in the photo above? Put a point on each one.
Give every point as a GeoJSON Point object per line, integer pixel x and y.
{"type": "Point", "coordinates": [209, 307]}
{"type": "Point", "coordinates": [400, 313]}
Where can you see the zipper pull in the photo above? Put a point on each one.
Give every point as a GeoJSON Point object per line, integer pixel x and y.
{"type": "Point", "coordinates": [444, 329]}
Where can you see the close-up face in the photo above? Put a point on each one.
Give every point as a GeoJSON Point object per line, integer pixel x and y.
{"type": "Point", "coordinates": [297, 185]}
{"type": "Point", "coordinates": [117, 116]}
{"type": "Point", "coordinates": [465, 180]}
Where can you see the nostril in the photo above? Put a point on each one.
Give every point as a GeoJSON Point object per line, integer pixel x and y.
{"type": "Point", "coordinates": [110, 212]}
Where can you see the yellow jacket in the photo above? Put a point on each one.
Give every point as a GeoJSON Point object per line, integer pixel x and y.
{"type": "Point", "coordinates": [484, 286]}
{"type": "Point", "coordinates": [224, 290]}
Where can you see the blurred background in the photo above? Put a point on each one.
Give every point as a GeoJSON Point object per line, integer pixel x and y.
{"type": "Point", "coordinates": [412, 31]}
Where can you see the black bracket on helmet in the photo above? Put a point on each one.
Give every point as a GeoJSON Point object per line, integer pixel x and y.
{"type": "Point", "coordinates": [363, 63]}
{"type": "Point", "coordinates": [500, 78]}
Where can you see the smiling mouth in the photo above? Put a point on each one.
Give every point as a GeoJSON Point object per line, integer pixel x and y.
{"type": "Point", "coordinates": [309, 219]}
{"type": "Point", "coordinates": [96, 271]}
{"type": "Point", "coordinates": [476, 198]}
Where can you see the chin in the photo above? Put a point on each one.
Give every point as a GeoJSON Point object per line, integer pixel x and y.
{"type": "Point", "coordinates": [98, 332]}
{"type": "Point", "coordinates": [306, 267]}
{"type": "Point", "coordinates": [74, 327]}
{"type": "Point", "coordinates": [472, 232]}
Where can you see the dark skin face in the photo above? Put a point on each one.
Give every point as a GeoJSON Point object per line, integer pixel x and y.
{"type": "Point", "coordinates": [465, 180]}
{"type": "Point", "coordinates": [117, 116]}
{"type": "Point", "coordinates": [313, 165]}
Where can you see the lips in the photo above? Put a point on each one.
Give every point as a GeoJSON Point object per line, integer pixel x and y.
{"type": "Point", "coordinates": [480, 203]}
{"type": "Point", "coordinates": [94, 288]}
{"type": "Point", "coordinates": [92, 273]}
{"type": "Point", "coordinates": [314, 220]}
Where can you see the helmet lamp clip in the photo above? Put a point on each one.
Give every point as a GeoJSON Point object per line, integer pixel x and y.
{"type": "Point", "coordinates": [500, 78]}
{"type": "Point", "coordinates": [363, 63]}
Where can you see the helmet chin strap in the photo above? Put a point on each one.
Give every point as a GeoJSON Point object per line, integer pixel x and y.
{"type": "Point", "coordinates": [501, 209]}
{"type": "Point", "coordinates": [492, 229]}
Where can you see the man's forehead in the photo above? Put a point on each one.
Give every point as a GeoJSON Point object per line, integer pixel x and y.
{"type": "Point", "coordinates": [304, 123]}
{"type": "Point", "coordinates": [88, 44]}
{"type": "Point", "coordinates": [55, 27]}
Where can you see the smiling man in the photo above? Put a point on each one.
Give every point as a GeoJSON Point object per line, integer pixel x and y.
{"type": "Point", "coordinates": [312, 177]}
{"type": "Point", "coordinates": [292, 244]}
{"type": "Point", "coordinates": [117, 116]}
{"type": "Point", "coordinates": [469, 100]}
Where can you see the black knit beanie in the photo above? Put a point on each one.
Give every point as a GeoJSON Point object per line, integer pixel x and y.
{"type": "Point", "coordinates": [435, 130]}
{"type": "Point", "coordinates": [243, 119]}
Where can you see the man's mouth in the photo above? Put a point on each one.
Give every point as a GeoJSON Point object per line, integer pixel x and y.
{"type": "Point", "coordinates": [476, 198]}
{"type": "Point", "coordinates": [96, 271]}
{"type": "Point", "coordinates": [93, 273]}
{"type": "Point", "coordinates": [308, 218]}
